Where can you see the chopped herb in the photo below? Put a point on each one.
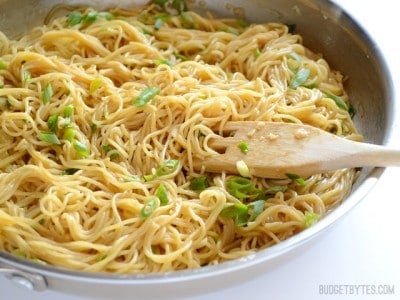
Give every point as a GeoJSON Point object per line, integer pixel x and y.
{"type": "Point", "coordinates": [49, 137]}
{"type": "Point", "coordinates": [244, 147]}
{"type": "Point", "coordinates": [338, 100]}
{"type": "Point", "coordinates": [95, 84]}
{"type": "Point", "coordinates": [242, 189]}
{"type": "Point", "coordinates": [74, 18]}
{"type": "Point", "coordinates": [71, 171]}
{"type": "Point", "coordinates": [101, 257]}
{"type": "Point", "coordinates": [2, 65]}
{"type": "Point", "coordinates": [106, 15]}
{"type": "Point", "coordinates": [47, 93]}
{"type": "Point", "coordinates": [107, 149]}
{"type": "Point", "coordinates": [90, 17]}
{"type": "Point", "coordinates": [236, 211]}
{"type": "Point", "coordinates": [167, 167]}
{"type": "Point", "coordinates": [68, 111]}
{"type": "Point", "coordinates": [81, 149]}
{"type": "Point", "coordinates": [229, 29]}
{"type": "Point", "coordinates": [257, 53]}
{"type": "Point", "coordinates": [158, 23]}
{"type": "Point", "coordinates": [163, 62]}
{"type": "Point", "coordinates": [162, 194]}
{"type": "Point", "coordinates": [26, 76]}
{"type": "Point", "coordinates": [255, 209]}
{"type": "Point", "coordinates": [179, 5]}
{"type": "Point", "coordinates": [145, 96]}
{"type": "Point", "coordinates": [299, 78]}
{"type": "Point", "coordinates": [149, 207]}
{"type": "Point", "coordinates": [52, 122]}
{"type": "Point", "coordinates": [199, 183]}
{"type": "Point", "coordinates": [296, 178]}
{"type": "Point", "coordinates": [242, 168]}
{"type": "Point", "coordinates": [310, 218]}
{"type": "Point", "coordinates": [187, 20]}
{"type": "Point", "coordinates": [181, 56]}
{"type": "Point", "coordinates": [69, 133]}
{"type": "Point", "coordinates": [295, 56]}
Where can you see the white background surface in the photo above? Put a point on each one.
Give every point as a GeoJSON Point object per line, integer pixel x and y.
{"type": "Point", "coordinates": [362, 249]}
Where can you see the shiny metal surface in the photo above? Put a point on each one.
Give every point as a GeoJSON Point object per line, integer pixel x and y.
{"type": "Point", "coordinates": [326, 29]}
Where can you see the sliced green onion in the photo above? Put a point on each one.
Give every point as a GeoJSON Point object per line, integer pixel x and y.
{"type": "Point", "coordinates": [47, 93]}
{"type": "Point", "coordinates": [242, 23]}
{"type": "Point", "coordinates": [187, 19]}
{"type": "Point", "coordinates": [131, 178]}
{"type": "Point", "coordinates": [167, 167]}
{"type": "Point", "coordinates": [163, 62]}
{"type": "Point", "coordinates": [149, 207]}
{"type": "Point", "coordinates": [242, 188]}
{"type": "Point", "coordinates": [199, 183]}
{"type": "Point", "coordinates": [295, 56]}
{"type": "Point", "coordinates": [310, 218]}
{"type": "Point", "coordinates": [25, 76]}
{"type": "Point", "coordinates": [101, 257]}
{"type": "Point", "coordinates": [257, 53]}
{"type": "Point", "coordinates": [162, 194]}
{"type": "Point", "coordinates": [52, 122]}
{"type": "Point", "coordinates": [69, 133]}
{"type": "Point", "coordinates": [74, 18]}
{"type": "Point", "coordinates": [296, 178]}
{"type": "Point", "coordinates": [255, 209]}
{"type": "Point", "coordinates": [158, 23]}
{"type": "Point", "coordinates": [145, 96]}
{"type": "Point", "coordinates": [81, 149]}
{"type": "Point", "coordinates": [181, 56]}
{"type": "Point", "coordinates": [299, 78]}
{"type": "Point", "coordinates": [3, 65]}
{"type": "Point", "coordinates": [107, 149]}
{"type": "Point", "coordinates": [242, 168]}
{"type": "Point", "coordinates": [49, 137]}
{"type": "Point", "coordinates": [229, 29]}
{"type": "Point", "coordinates": [244, 147]}
{"type": "Point", "coordinates": [71, 171]}
{"type": "Point", "coordinates": [106, 15]}
{"type": "Point", "coordinates": [338, 100]}
{"type": "Point", "coordinates": [90, 17]}
{"type": "Point", "coordinates": [95, 84]}
{"type": "Point", "coordinates": [237, 211]}
{"type": "Point", "coordinates": [68, 111]}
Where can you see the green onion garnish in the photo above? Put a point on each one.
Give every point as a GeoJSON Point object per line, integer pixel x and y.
{"type": "Point", "coordinates": [275, 189]}
{"type": "Point", "coordinates": [149, 207]}
{"type": "Point", "coordinates": [160, 2]}
{"type": "Point", "coordinates": [163, 62]}
{"type": "Point", "coordinates": [181, 56]}
{"type": "Point", "coordinates": [199, 183]}
{"type": "Point", "coordinates": [296, 178]}
{"type": "Point", "coordinates": [52, 122]}
{"type": "Point", "coordinates": [237, 211]}
{"type": "Point", "coordinates": [145, 96]}
{"type": "Point", "coordinates": [95, 84]}
{"type": "Point", "coordinates": [257, 53]}
{"type": "Point", "coordinates": [90, 17]}
{"type": "Point", "coordinates": [242, 188]}
{"type": "Point", "coordinates": [107, 149]}
{"type": "Point", "coordinates": [25, 76]}
{"type": "Point", "coordinates": [310, 218]}
{"type": "Point", "coordinates": [299, 78]}
{"type": "Point", "coordinates": [242, 168]}
{"type": "Point", "coordinates": [74, 18]}
{"type": "Point", "coordinates": [255, 209]}
{"type": "Point", "coordinates": [68, 111]}
{"type": "Point", "coordinates": [81, 149]}
{"type": "Point", "coordinates": [338, 100]}
{"type": "Point", "coordinates": [244, 147]}
{"type": "Point", "coordinates": [69, 133]}
{"type": "Point", "coordinates": [49, 137]}
{"type": "Point", "coordinates": [162, 194]}
{"type": "Point", "coordinates": [47, 93]}
{"type": "Point", "coordinates": [167, 167]}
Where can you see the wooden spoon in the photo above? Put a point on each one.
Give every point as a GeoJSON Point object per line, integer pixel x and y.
{"type": "Point", "coordinates": [276, 149]}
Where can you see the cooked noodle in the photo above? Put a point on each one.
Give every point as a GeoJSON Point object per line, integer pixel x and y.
{"type": "Point", "coordinates": [87, 201]}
